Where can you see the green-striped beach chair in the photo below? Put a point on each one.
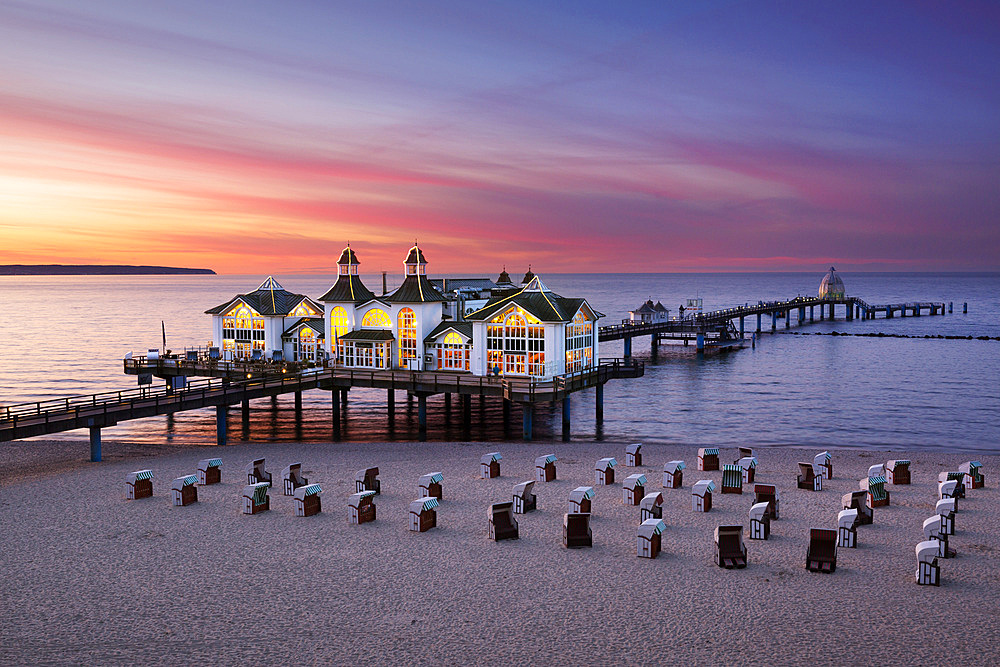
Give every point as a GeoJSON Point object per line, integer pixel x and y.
{"type": "Point", "coordinates": [648, 538]}
{"type": "Point", "coordinates": [184, 490]}
{"type": "Point", "coordinates": [307, 500]}
{"type": "Point", "coordinates": [633, 489]}
{"type": "Point", "coordinates": [732, 479]}
{"type": "Point", "coordinates": [255, 498]}
{"type": "Point", "coordinates": [489, 465]}
{"type": "Point", "coordinates": [139, 484]}
{"type": "Point", "coordinates": [209, 471]}
{"type": "Point", "coordinates": [545, 468]}
{"type": "Point", "coordinates": [708, 458]}
{"type": "Point", "coordinates": [430, 485]}
{"type": "Point", "coordinates": [897, 471]}
{"type": "Point", "coordinates": [604, 471]}
{"type": "Point", "coordinates": [878, 495]}
{"type": "Point", "coordinates": [423, 514]}
{"type": "Point", "coordinates": [974, 471]}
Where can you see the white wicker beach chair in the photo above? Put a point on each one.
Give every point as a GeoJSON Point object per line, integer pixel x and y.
{"type": "Point", "coordinates": [604, 471]}
{"type": "Point", "coordinates": [932, 531]}
{"type": "Point", "coordinates": [209, 471]}
{"type": "Point", "coordinates": [673, 474]}
{"type": "Point", "coordinates": [946, 510]}
{"type": "Point", "coordinates": [748, 464]}
{"type": "Point", "coordinates": [824, 463]}
{"type": "Point", "coordinates": [708, 458]}
{"type": "Point", "coordinates": [701, 495]}
{"type": "Point", "coordinates": [545, 468]}
{"type": "Point", "coordinates": [430, 485]}
{"type": "Point", "coordinates": [651, 506]}
{"type": "Point", "coordinates": [928, 572]}
{"type": "Point", "coordinates": [633, 457]}
{"type": "Point", "coordinates": [139, 484]}
{"type": "Point", "coordinates": [847, 528]}
{"type": "Point", "coordinates": [523, 500]}
{"type": "Point", "coordinates": [760, 521]}
{"type": "Point", "coordinates": [648, 537]}
{"type": "Point", "coordinates": [579, 499]}
{"type": "Point", "coordinates": [423, 514]}
{"type": "Point", "coordinates": [633, 489]}
{"type": "Point", "coordinates": [361, 507]}
{"type": "Point", "coordinates": [291, 478]}
{"type": "Point", "coordinates": [489, 465]}
{"type": "Point", "coordinates": [184, 490]}
{"type": "Point", "coordinates": [306, 500]}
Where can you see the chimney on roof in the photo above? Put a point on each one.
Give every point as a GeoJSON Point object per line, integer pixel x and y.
{"type": "Point", "coordinates": [385, 288]}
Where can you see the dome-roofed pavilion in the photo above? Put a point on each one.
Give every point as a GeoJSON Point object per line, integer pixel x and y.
{"type": "Point", "coordinates": [832, 286]}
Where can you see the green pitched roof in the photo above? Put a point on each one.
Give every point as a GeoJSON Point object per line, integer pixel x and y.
{"type": "Point", "coordinates": [547, 306]}
{"type": "Point", "coordinates": [464, 328]}
{"type": "Point", "coordinates": [415, 289]}
{"type": "Point", "coordinates": [268, 299]}
{"type": "Point", "coordinates": [368, 334]}
{"type": "Point", "coordinates": [348, 288]}
{"type": "Point", "coordinates": [317, 324]}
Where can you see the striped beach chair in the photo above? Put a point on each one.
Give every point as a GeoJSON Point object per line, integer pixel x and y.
{"type": "Point", "coordinates": [545, 468]}
{"type": "Point", "coordinates": [956, 476]}
{"type": "Point", "coordinates": [306, 500]}
{"type": "Point", "coordinates": [760, 521]}
{"type": "Point", "coordinates": [291, 478]}
{"type": "Point", "coordinates": [732, 479]}
{"type": "Point", "coordinates": [489, 465]}
{"type": "Point", "coordinates": [523, 500]}
{"type": "Point", "coordinates": [748, 465]}
{"type": "Point", "coordinates": [945, 509]}
{"type": "Point", "coordinates": [708, 458]}
{"type": "Point", "coordinates": [184, 490]}
{"type": "Point", "coordinates": [604, 471]}
{"type": "Point", "coordinates": [256, 473]}
{"type": "Point", "coordinates": [847, 528]}
{"type": "Point", "coordinates": [897, 471]}
{"type": "Point", "coordinates": [730, 552]}
{"type": "Point", "coordinates": [430, 485]}
{"type": "Point", "coordinates": [701, 495]}
{"type": "Point", "coordinates": [651, 506]}
{"type": "Point", "coordinates": [209, 471]}
{"type": "Point", "coordinates": [648, 537]}
{"type": "Point", "coordinates": [423, 514]}
{"type": "Point", "coordinates": [576, 531]}
{"type": "Point", "coordinates": [858, 500]}
{"type": "Point", "coordinates": [673, 475]}
{"type": "Point", "coordinates": [367, 480]}
{"type": "Point", "coordinates": [810, 477]}
{"type": "Point", "coordinates": [974, 473]}
{"type": "Point", "coordinates": [823, 462]}
{"type": "Point", "coordinates": [878, 496]}
{"type": "Point", "coordinates": [932, 531]}
{"type": "Point", "coordinates": [633, 457]}
{"type": "Point", "coordinates": [139, 484]}
{"type": "Point", "coordinates": [255, 498]}
{"type": "Point", "coordinates": [502, 524]}
{"type": "Point", "coordinates": [745, 452]}
{"type": "Point", "coordinates": [928, 572]}
{"type": "Point", "coordinates": [768, 493]}
{"type": "Point", "coordinates": [579, 499]}
{"type": "Point", "coordinates": [821, 555]}
{"type": "Point", "coordinates": [633, 489]}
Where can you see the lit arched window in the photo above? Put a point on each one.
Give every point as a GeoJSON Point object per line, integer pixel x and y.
{"type": "Point", "coordinates": [515, 343]}
{"type": "Point", "coordinates": [453, 353]}
{"type": "Point", "coordinates": [242, 331]}
{"type": "Point", "coordinates": [304, 310]}
{"type": "Point", "coordinates": [579, 343]}
{"type": "Point", "coordinates": [376, 317]}
{"type": "Point", "coordinates": [453, 339]}
{"type": "Point", "coordinates": [338, 322]}
{"type": "Point", "coordinates": [407, 335]}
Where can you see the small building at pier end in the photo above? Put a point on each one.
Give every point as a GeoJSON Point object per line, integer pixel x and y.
{"type": "Point", "coordinates": [832, 287]}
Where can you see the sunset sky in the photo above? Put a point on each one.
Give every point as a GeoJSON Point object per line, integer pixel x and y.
{"type": "Point", "coordinates": [251, 136]}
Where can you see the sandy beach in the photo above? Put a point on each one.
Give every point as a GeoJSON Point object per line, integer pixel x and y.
{"type": "Point", "coordinates": [93, 578]}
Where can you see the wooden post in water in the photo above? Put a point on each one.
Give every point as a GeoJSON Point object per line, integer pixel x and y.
{"type": "Point", "coordinates": [391, 402]}
{"type": "Point", "coordinates": [422, 416]}
{"type": "Point", "coordinates": [599, 403]}
{"type": "Point", "coordinates": [466, 402]}
{"type": "Point", "coordinates": [335, 405]}
{"type": "Point", "coordinates": [565, 418]}
{"type": "Point", "coordinates": [527, 410]}
{"type": "Point", "coordinates": [811, 313]}
{"type": "Point", "coordinates": [965, 307]}
{"type": "Point", "coordinates": [758, 322]}
{"type": "Point", "coordinates": [220, 424]}
{"type": "Point", "coordinates": [95, 444]}
{"type": "Point", "coordinates": [628, 346]}
{"type": "Point", "coordinates": [298, 404]}
{"type": "Point", "coordinates": [245, 419]}
{"type": "Point", "coordinates": [788, 318]}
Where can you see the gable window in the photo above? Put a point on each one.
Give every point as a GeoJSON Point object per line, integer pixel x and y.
{"type": "Point", "coordinates": [242, 331]}
{"type": "Point", "coordinates": [579, 343]}
{"type": "Point", "coordinates": [376, 319]}
{"type": "Point", "coordinates": [515, 343]}
{"type": "Point", "coordinates": [453, 353]}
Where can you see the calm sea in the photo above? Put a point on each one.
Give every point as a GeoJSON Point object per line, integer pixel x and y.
{"type": "Point", "coordinates": [66, 335]}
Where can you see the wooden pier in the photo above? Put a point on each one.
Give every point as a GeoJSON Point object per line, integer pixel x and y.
{"type": "Point", "coordinates": [230, 383]}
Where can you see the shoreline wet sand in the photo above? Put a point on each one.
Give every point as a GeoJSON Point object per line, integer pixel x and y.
{"type": "Point", "coordinates": [91, 577]}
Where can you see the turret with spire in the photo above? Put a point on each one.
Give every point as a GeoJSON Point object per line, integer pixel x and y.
{"type": "Point", "coordinates": [348, 288]}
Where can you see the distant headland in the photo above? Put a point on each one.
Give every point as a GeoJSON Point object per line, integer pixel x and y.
{"type": "Point", "coordinates": [95, 270]}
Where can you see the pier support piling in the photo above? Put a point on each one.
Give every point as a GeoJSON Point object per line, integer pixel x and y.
{"type": "Point", "coordinates": [599, 413]}
{"type": "Point", "coordinates": [758, 322]}
{"type": "Point", "coordinates": [390, 403]}
{"type": "Point", "coordinates": [628, 346]}
{"type": "Point", "coordinates": [466, 402]}
{"type": "Point", "coordinates": [422, 416]}
{"type": "Point", "coordinates": [245, 419]}
{"type": "Point", "coordinates": [811, 313]}
{"type": "Point", "coordinates": [220, 425]}
{"type": "Point", "coordinates": [335, 405]}
{"type": "Point", "coordinates": [951, 307]}
{"type": "Point", "coordinates": [965, 307]}
{"type": "Point", "coordinates": [741, 327]}
{"type": "Point", "coordinates": [701, 343]}
{"type": "Point", "coordinates": [95, 444]}
{"type": "Point", "coordinates": [788, 318]}
{"type": "Point", "coordinates": [565, 419]}
{"type": "Point", "coordinates": [774, 321]}
{"type": "Point", "coordinates": [343, 398]}
{"type": "Point", "coordinates": [527, 412]}
{"type": "Point", "coordinates": [298, 403]}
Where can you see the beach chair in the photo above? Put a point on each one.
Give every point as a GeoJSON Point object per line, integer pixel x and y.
{"type": "Point", "coordinates": [673, 475]}
{"type": "Point", "coordinates": [139, 484]}
{"type": "Point", "coordinates": [256, 473]}
{"type": "Point", "coordinates": [745, 453]}
{"type": "Point", "coordinates": [503, 525]}
{"type": "Point", "coordinates": [579, 499]}
{"type": "Point", "coordinates": [367, 480]}
{"type": "Point", "coordinates": [576, 531]}
{"type": "Point", "coordinates": [768, 493]}
{"type": "Point", "coordinates": [633, 489]}
{"type": "Point", "coordinates": [858, 500]}
{"type": "Point", "coordinates": [974, 473]}
{"type": "Point", "coordinates": [430, 485]}
{"type": "Point", "coordinates": [878, 496]}
{"type": "Point", "coordinates": [489, 465]}
{"type": "Point", "coordinates": [524, 500]}
{"type": "Point", "coordinates": [209, 471]}
{"type": "Point", "coordinates": [928, 572]}
{"type": "Point", "coordinates": [730, 552]}
{"type": "Point", "coordinates": [633, 457]}
{"type": "Point", "coordinates": [823, 463]}
{"type": "Point", "coordinates": [748, 466]}
{"type": "Point", "coordinates": [423, 515]}
{"type": "Point", "coordinates": [255, 498]}
{"type": "Point", "coordinates": [545, 468]}
{"type": "Point", "coordinates": [291, 478]}
{"type": "Point", "coordinates": [760, 521]}
{"type": "Point", "coordinates": [877, 470]}
{"type": "Point", "coordinates": [604, 471]}
{"type": "Point", "coordinates": [945, 509]}
{"type": "Point", "coordinates": [701, 495]}
{"type": "Point", "coordinates": [651, 506]}
{"type": "Point", "coordinates": [821, 555]}
{"type": "Point", "coordinates": [648, 538]}
{"type": "Point", "coordinates": [708, 458]}
{"type": "Point", "coordinates": [184, 490]}
{"type": "Point", "coordinates": [932, 531]}
{"type": "Point", "coordinates": [847, 528]}
{"type": "Point", "coordinates": [949, 489]}
{"type": "Point", "coordinates": [897, 471]}
{"type": "Point", "coordinates": [306, 500]}
{"type": "Point", "coordinates": [958, 477]}
{"type": "Point", "coordinates": [810, 477]}
{"type": "Point", "coordinates": [361, 507]}
{"type": "Point", "coordinates": [732, 479]}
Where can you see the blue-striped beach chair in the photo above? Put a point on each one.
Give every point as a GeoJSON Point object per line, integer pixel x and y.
{"type": "Point", "coordinates": [255, 498]}
{"type": "Point", "coordinates": [209, 471]}
{"type": "Point", "coordinates": [139, 484]}
{"type": "Point", "coordinates": [732, 479]}
{"type": "Point", "coordinates": [184, 490]}
{"type": "Point", "coordinates": [633, 489]}
{"type": "Point", "coordinates": [648, 538]}
{"type": "Point", "coordinates": [307, 500]}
